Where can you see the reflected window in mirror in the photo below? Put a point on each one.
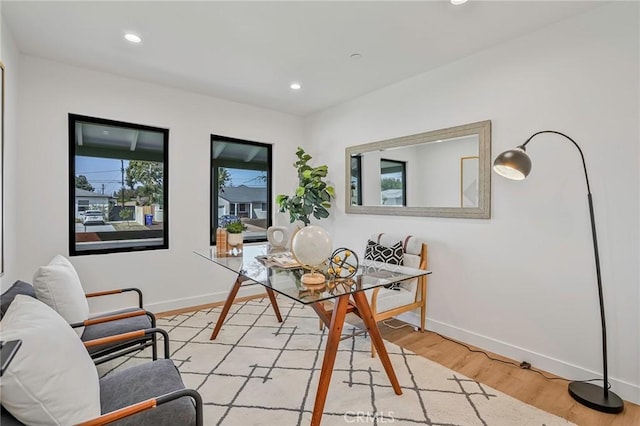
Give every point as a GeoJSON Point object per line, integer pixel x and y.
{"type": "Point", "coordinates": [356, 180]}
{"type": "Point", "coordinates": [393, 178]}
{"type": "Point", "coordinates": [441, 173]}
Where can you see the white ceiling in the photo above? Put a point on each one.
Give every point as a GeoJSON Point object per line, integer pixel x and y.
{"type": "Point", "coordinates": [250, 52]}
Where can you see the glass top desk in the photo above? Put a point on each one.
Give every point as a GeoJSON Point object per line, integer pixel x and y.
{"type": "Point", "coordinates": [346, 294]}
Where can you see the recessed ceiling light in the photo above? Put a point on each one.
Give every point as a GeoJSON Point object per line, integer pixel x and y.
{"type": "Point", "coordinates": [133, 38]}
{"type": "Point", "coordinates": [355, 56]}
{"type": "Point", "coordinates": [295, 86]}
{"type": "Point", "coordinates": [458, 2]}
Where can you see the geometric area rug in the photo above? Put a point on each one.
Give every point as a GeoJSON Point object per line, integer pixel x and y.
{"type": "Point", "coordinates": [261, 372]}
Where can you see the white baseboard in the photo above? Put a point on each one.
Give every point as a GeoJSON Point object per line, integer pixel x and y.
{"type": "Point", "coordinates": [627, 391]}
{"type": "Point", "coordinates": [201, 300]}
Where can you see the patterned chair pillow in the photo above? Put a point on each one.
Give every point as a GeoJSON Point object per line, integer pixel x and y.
{"type": "Point", "coordinates": [379, 253]}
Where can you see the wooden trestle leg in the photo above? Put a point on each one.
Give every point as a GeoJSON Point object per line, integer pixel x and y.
{"type": "Point", "coordinates": [335, 325]}
{"type": "Point", "coordinates": [330, 351]}
{"type": "Point", "coordinates": [227, 305]}
{"type": "Point", "coordinates": [274, 304]}
{"type": "Point", "coordinates": [232, 296]}
{"type": "Point", "coordinates": [364, 311]}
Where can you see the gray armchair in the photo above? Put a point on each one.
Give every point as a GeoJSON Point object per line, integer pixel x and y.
{"type": "Point", "coordinates": [150, 394]}
{"type": "Point", "coordinates": [118, 322]}
{"type": "Point", "coordinates": [104, 325]}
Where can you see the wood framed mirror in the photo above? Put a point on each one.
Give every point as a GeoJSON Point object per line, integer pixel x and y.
{"type": "Point", "coordinates": [441, 173]}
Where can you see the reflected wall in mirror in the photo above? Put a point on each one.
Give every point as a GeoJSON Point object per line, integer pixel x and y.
{"type": "Point", "coordinates": [442, 173]}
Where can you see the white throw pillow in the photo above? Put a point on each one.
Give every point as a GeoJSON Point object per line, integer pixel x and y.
{"type": "Point", "coordinates": [58, 285]}
{"type": "Point", "coordinates": [52, 379]}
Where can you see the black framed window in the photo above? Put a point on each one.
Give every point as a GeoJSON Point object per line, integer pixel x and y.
{"type": "Point", "coordinates": [118, 186]}
{"type": "Point", "coordinates": [241, 186]}
{"type": "Point", "coordinates": [393, 183]}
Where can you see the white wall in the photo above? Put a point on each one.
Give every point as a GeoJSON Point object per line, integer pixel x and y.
{"type": "Point", "coordinates": [439, 168]}
{"type": "Point", "coordinates": [523, 283]}
{"type": "Point", "coordinates": [9, 56]}
{"type": "Point", "coordinates": [169, 278]}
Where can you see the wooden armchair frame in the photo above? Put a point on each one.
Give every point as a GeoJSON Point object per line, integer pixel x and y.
{"type": "Point", "coordinates": [420, 300]}
{"type": "Point", "coordinates": [132, 335]}
{"type": "Point", "coordinates": [117, 291]}
{"type": "Point", "coordinates": [123, 348]}
{"type": "Point", "coordinates": [150, 403]}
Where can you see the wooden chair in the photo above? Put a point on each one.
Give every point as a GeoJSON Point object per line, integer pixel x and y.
{"type": "Point", "coordinates": [407, 296]}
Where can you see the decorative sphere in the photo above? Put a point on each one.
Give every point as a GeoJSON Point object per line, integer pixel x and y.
{"type": "Point", "coordinates": [311, 245]}
{"type": "Point", "coordinates": [343, 264]}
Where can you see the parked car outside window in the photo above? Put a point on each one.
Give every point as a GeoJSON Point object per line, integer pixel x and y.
{"type": "Point", "coordinates": [93, 217]}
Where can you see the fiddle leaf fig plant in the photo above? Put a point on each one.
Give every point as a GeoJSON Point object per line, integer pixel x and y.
{"type": "Point", "coordinates": [313, 195]}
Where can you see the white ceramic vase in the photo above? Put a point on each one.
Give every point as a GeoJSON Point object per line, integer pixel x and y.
{"type": "Point", "coordinates": [278, 237]}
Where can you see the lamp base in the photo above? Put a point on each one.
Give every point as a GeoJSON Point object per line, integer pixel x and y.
{"type": "Point", "coordinates": [313, 280]}
{"type": "Point", "coordinates": [593, 396]}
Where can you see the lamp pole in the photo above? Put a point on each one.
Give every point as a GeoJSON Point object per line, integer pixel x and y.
{"type": "Point", "coordinates": [591, 395]}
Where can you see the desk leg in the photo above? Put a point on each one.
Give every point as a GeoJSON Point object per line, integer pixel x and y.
{"type": "Point", "coordinates": [272, 298]}
{"type": "Point", "coordinates": [322, 313]}
{"type": "Point", "coordinates": [227, 305]}
{"type": "Point", "coordinates": [330, 351]}
{"type": "Point", "coordinates": [365, 313]}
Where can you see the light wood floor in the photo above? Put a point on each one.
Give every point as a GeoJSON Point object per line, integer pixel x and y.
{"type": "Point", "coordinates": [527, 386]}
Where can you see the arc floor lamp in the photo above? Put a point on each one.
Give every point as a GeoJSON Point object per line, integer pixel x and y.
{"type": "Point", "coordinates": [516, 164]}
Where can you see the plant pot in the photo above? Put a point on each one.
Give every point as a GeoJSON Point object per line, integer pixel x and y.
{"type": "Point", "coordinates": [234, 240]}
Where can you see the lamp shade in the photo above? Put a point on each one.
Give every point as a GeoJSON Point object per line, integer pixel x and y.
{"type": "Point", "coordinates": [513, 164]}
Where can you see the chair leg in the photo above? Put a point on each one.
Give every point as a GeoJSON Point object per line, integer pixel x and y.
{"type": "Point", "coordinates": [373, 350]}
{"type": "Point", "coordinates": [154, 338]}
{"type": "Point", "coordinates": [423, 316]}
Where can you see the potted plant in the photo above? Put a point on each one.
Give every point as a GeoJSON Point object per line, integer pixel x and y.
{"type": "Point", "coordinates": [234, 229]}
{"type": "Point", "coordinates": [313, 195]}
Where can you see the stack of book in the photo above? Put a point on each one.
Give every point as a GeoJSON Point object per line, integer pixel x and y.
{"type": "Point", "coordinates": [282, 259]}
{"type": "Point", "coordinates": [222, 246]}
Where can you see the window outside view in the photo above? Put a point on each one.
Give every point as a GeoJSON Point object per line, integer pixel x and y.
{"type": "Point", "coordinates": [241, 186]}
{"type": "Point", "coordinates": [119, 189]}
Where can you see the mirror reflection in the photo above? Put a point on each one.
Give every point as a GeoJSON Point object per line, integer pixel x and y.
{"type": "Point", "coordinates": [442, 173]}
